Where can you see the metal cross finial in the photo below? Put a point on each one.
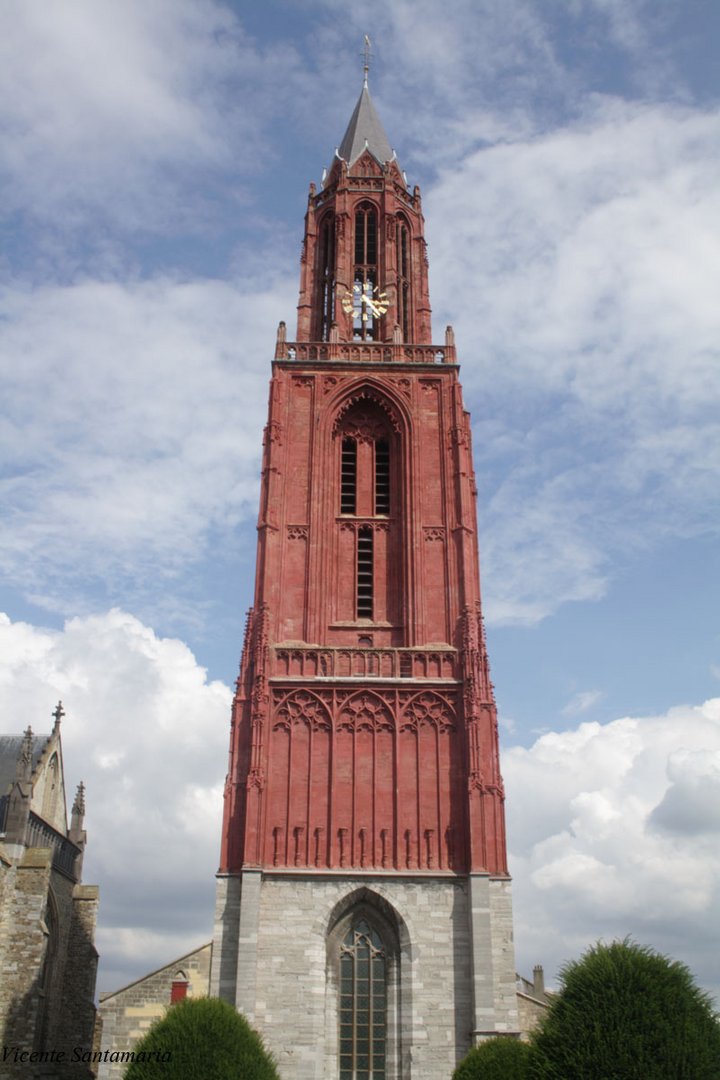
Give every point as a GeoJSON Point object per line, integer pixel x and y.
{"type": "Point", "coordinates": [59, 712]}
{"type": "Point", "coordinates": [366, 53]}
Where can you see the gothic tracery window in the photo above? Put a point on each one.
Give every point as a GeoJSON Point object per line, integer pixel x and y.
{"type": "Point", "coordinates": [363, 1004]}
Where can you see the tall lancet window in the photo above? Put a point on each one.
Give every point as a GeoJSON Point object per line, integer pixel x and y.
{"type": "Point", "coordinates": [363, 1004]}
{"type": "Point", "coordinates": [366, 326]}
{"type": "Point", "coordinates": [326, 276]}
{"type": "Point", "coordinates": [367, 491]}
{"type": "Point", "coordinates": [402, 237]}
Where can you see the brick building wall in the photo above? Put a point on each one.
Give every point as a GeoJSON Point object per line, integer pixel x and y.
{"type": "Point", "coordinates": [125, 1015]}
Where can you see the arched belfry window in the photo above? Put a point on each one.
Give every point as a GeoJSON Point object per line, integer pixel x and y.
{"type": "Point", "coordinates": [366, 325]}
{"type": "Point", "coordinates": [404, 278]}
{"type": "Point", "coordinates": [368, 491]}
{"type": "Point", "coordinates": [363, 1004]}
{"type": "Point", "coordinates": [326, 276]}
{"type": "Point", "coordinates": [366, 453]}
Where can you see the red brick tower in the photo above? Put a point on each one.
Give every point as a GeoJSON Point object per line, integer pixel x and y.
{"type": "Point", "coordinates": [363, 787]}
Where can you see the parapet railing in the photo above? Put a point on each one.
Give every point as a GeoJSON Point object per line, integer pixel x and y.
{"type": "Point", "coordinates": [64, 852]}
{"type": "Point", "coordinates": [373, 352]}
{"type": "Point", "coordinates": [343, 662]}
{"type": "Point", "coordinates": [363, 352]}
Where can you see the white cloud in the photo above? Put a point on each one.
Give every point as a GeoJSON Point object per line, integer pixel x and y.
{"type": "Point", "coordinates": [132, 428]}
{"type": "Point", "coordinates": [582, 701]}
{"type": "Point", "coordinates": [613, 831]}
{"type": "Point", "coordinates": [582, 289]}
{"type": "Point", "coordinates": [147, 733]}
{"type": "Point", "coordinates": [133, 116]}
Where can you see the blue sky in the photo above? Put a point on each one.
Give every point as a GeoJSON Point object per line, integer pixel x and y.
{"type": "Point", "coordinates": [155, 159]}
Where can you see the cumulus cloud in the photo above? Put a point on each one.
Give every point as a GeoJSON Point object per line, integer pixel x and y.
{"type": "Point", "coordinates": [613, 831]}
{"type": "Point", "coordinates": [147, 732]}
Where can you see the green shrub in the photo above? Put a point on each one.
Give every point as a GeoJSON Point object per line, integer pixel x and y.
{"type": "Point", "coordinates": [206, 1040]}
{"type": "Point", "coordinates": [500, 1058]}
{"type": "Point", "coordinates": [624, 1012]}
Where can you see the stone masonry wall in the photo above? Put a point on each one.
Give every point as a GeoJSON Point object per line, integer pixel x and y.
{"type": "Point", "coordinates": [295, 1005]}
{"type": "Point", "coordinates": [23, 940]}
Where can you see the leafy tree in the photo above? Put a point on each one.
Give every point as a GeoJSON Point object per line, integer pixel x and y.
{"type": "Point", "coordinates": [500, 1058]}
{"type": "Point", "coordinates": [624, 1012]}
{"type": "Point", "coordinates": [206, 1040]}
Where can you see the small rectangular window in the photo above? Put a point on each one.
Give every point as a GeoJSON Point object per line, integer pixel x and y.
{"type": "Point", "coordinates": [348, 478]}
{"type": "Point", "coordinates": [365, 574]}
{"type": "Point", "coordinates": [382, 477]}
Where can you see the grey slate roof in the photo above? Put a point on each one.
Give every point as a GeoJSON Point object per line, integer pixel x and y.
{"type": "Point", "coordinates": [364, 128]}
{"type": "Point", "coordinates": [10, 747]}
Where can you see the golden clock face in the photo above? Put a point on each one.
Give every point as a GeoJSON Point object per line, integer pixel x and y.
{"type": "Point", "coordinates": [365, 300]}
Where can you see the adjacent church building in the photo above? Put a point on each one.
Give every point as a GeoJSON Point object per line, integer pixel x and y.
{"type": "Point", "coordinates": [364, 915]}
{"type": "Point", "coordinates": [48, 960]}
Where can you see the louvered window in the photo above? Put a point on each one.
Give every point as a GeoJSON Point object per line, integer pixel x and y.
{"type": "Point", "coordinates": [365, 573]}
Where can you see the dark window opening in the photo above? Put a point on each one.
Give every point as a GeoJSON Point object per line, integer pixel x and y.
{"type": "Point", "coordinates": [327, 277]}
{"type": "Point", "coordinates": [403, 280]}
{"type": "Point", "coordinates": [348, 477]}
{"type": "Point", "coordinates": [382, 477]}
{"type": "Point", "coordinates": [363, 1005]}
{"type": "Point", "coordinates": [365, 574]}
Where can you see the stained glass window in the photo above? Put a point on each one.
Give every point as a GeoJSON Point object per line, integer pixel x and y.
{"type": "Point", "coordinates": [363, 1004]}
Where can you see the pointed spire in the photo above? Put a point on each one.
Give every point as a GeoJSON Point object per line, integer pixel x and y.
{"type": "Point", "coordinates": [365, 129]}
{"type": "Point", "coordinates": [77, 834]}
{"type": "Point", "coordinates": [78, 807]}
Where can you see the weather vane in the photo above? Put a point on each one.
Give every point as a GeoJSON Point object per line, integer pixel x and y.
{"type": "Point", "coordinates": [366, 54]}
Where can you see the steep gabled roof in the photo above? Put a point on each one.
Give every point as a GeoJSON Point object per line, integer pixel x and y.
{"type": "Point", "coordinates": [365, 130]}
{"type": "Point", "coordinates": [10, 747]}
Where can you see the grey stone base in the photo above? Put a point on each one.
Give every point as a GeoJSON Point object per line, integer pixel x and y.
{"type": "Point", "coordinates": [451, 964]}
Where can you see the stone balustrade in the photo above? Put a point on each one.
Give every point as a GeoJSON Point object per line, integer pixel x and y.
{"type": "Point", "coordinates": [362, 663]}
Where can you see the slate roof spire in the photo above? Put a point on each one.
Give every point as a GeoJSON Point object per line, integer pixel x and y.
{"type": "Point", "coordinates": [365, 128]}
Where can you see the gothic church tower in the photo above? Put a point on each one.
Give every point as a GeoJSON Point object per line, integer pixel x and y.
{"type": "Point", "coordinates": [364, 918]}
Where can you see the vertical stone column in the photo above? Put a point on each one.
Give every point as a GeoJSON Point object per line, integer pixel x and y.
{"type": "Point", "coordinates": [492, 957]}
{"type": "Point", "coordinates": [481, 956]}
{"type": "Point", "coordinates": [247, 942]}
{"type": "Point", "coordinates": [223, 970]}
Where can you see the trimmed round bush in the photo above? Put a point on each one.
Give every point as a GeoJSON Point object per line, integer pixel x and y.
{"type": "Point", "coordinates": [206, 1039]}
{"type": "Point", "coordinates": [500, 1058]}
{"type": "Point", "coordinates": [624, 1012]}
